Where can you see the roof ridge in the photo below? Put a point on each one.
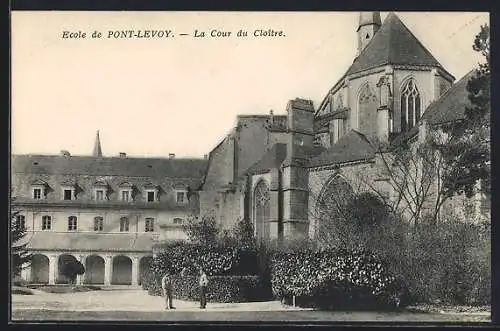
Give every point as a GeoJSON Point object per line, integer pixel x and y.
{"type": "Point", "coordinates": [418, 41]}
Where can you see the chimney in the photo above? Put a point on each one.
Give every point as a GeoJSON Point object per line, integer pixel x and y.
{"type": "Point", "coordinates": [123, 155]}
{"type": "Point", "coordinates": [171, 155]}
{"type": "Point", "coordinates": [65, 153]}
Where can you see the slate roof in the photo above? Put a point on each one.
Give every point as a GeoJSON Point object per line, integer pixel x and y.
{"type": "Point", "coordinates": [109, 166]}
{"type": "Point", "coordinates": [393, 43]}
{"type": "Point", "coordinates": [451, 105]}
{"type": "Point", "coordinates": [353, 146]}
{"type": "Point", "coordinates": [271, 159]}
{"type": "Point", "coordinates": [88, 241]}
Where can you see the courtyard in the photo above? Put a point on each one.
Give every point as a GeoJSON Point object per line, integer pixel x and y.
{"type": "Point", "coordinates": [133, 304]}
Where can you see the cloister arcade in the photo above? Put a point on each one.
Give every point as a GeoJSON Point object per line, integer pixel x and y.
{"type": "Point", "coordinates": [100, 269]}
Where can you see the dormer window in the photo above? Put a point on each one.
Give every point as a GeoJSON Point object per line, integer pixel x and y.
{"type": "Point", "coordinates": [151, 192]}
{"type": "Point", "coordinates": [99, 194]}
{"type": "Point", "coordinates": [100, 191]}
{"type": "Point", "coordinates": [126, 190]}
{"type": "Point", "coordinates": [68, 190]}
{"type": "Point", "coordinates": [181, 197]}
{"type": "Point", "coordinates": [38, 190]}
{"type": "Point", "coordinates": [37, 193]}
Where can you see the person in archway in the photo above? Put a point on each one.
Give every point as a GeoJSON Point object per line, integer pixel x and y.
{"type": "Point", "coordinates": [166, 286]}
{"type": "Point", "coordinates": [203, 289]}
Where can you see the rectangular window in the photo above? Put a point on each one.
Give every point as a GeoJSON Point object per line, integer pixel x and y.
{"type": "Point", "coordinates": [68, 194]}
{"type": "Point", "coordinates": [46, 222]}
{"type": "Point", "coordinates": [124, 224]}
{"type": "Point", "coordinates": [20, 222]}
{"type": "Point", "coordinates": [99, 195]}
{"type": "Point", "coordinates": [37, 193]}
{"type": "Point", "coordinates": [125, 195]}
{"type": "Point", "coordinates": [180, 197]}
{"type": "Point", "coordinates": [151, 196]}
{"type": "Point", "coordinates": [178, 221]}
{"type": "Point", "coordinates": [72, 223]}
{"type": "Point", "coordinates": [98, 223]}
{"type": "Point", "coordinates": [149, 225]}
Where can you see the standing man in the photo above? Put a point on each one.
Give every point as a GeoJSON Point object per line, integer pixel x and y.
{"type": "Point", "coordinates": [166, 286]}
{"type": "Point", "coordinates": [203, 289]}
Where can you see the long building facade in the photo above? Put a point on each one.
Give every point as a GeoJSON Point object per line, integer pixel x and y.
{"type": "Point", "coordinates": [106, 212]}
{"type": "Point", "coordinates": [272, 169]}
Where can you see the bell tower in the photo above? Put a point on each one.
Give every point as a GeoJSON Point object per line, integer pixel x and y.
{"type": "Point", "coordinates": [369, 23]}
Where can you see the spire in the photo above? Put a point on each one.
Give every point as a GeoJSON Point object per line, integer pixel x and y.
{"type": "Point", "coordinates": [369, 18]}
{"type": "Point", "coordinates": [97, 146]}
{"type": "Point", "coordinates": [369, 23]}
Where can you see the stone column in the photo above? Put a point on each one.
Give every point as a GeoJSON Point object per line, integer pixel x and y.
{"type": "Point", "coordinates": [80, 278]}
{"type": "Point", "coordinates": [53, 269]}
{"type": "Point", "coordinates": [26, 273]}
{"type": "Point", "coordinates": [108, 269]}
{"type": "Point", "coordinates": [135, 270]}
{"type": "Point", "coordinates": [274, 205]}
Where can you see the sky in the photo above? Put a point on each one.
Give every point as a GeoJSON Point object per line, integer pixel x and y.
{"type": "Point", "coordinates": [181, 95]}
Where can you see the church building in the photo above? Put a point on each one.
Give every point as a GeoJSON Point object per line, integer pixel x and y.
{"type": "Point", "coordinates": [273, 169]}
{"type": "Point", "coordinates": [108, 212]}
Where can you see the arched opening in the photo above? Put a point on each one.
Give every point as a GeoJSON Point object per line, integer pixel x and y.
{"type": "Point", "coordinates": [39, 269]}
{"type": "Point", "coordinates": [333, 210]}
{"type": "Point", "coordinates": [63, 260]}
{"type": "Point", "coordinates": [367, 110]}
{"type": "Point", "coordinates": [94, 273]}
{"type": "Point", "coordinates": [144, 265]}
{"type": "Point", "coordinates": [122, 271]}
{"type": "Point", "coordinates": [261, 210]}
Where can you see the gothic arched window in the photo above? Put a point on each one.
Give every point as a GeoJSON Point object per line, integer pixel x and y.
{"type": "Point", "coordinates": [410, 105]}
{"type": "Point", "coordinates": [261, 210]}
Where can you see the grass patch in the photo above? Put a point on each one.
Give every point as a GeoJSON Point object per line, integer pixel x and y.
{"type": "Point", "coordinates": [67, 288]}
{"type": "Point", "coordinates": [21, 290]}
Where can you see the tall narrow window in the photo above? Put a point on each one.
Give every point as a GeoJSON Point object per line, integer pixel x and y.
{"type": "Point", "coordinates": [151, 196]}
{"type": "Point", "coordinates": [68, 194]}
{"type": "Point", "coordinates": [125, 195]}
{"type": "Point", "coordinates": [124, 224]}
{"type": "Point", "coordinates": [72, 223]}
{"type": "Point", "coordinates": [180, 197]}
{"type": "Point", "coordinates": [98, 223]}
{"type": "Point", "coordinates": [37, 193]}
{"type": "Point", "coordinates": [20, 222]}
{"type": "Point", "coordinates": [149, 225]}
{"type": "Point", "coordinates": [410, 105]}
{"type": "Point", "coordinates": [46, 222]}
{"type": "Point", "coordinates": [99, 195]}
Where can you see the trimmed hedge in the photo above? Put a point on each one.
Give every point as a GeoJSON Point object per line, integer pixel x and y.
{"type": "Point", "coordinates": [215, 259]}
{"type": "Point", "coordinates": [333, 278]}
{"type": "Point", "coordinates": [223, 289]}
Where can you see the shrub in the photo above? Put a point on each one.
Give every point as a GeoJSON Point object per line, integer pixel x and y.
{"type": "Point", "coordinates": [215, 260]}
{"type": "Point", "coordinates": [351, 276]}
{"type": "Point", "coordinates": [448, 262]}
{"type": "Point", "coordinates": [71, 267]}
{"type": "Point", "coordinates": [220, 288]}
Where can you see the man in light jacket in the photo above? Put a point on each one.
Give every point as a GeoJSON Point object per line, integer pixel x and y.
{"type": "Point", "coordinates": [166, 286]}
{"type": "Point", "coordinates": [203, 289]}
